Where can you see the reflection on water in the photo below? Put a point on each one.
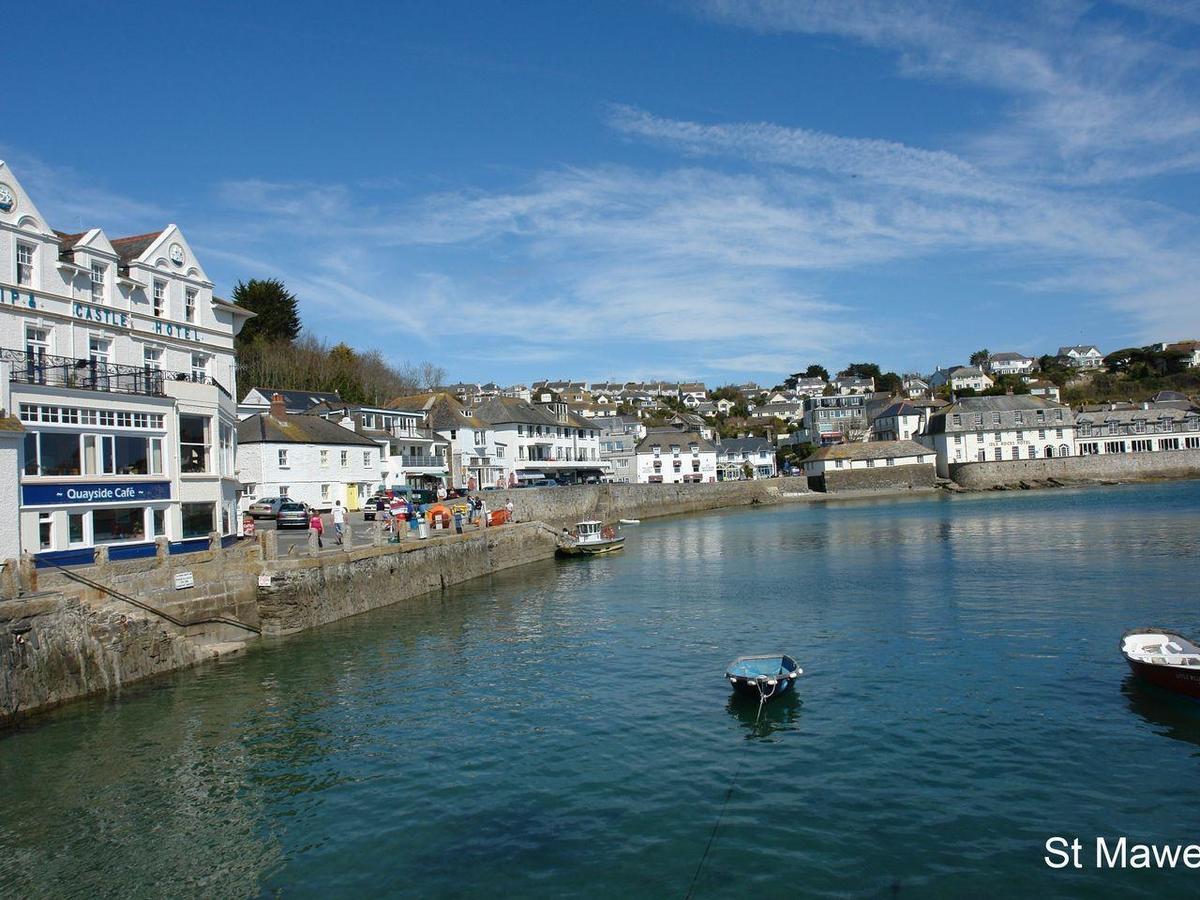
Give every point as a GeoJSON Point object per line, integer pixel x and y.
{"type": "Point", "coordinates": [1169, 714]}
{"type": "Point", "coordinates": [564, 729]}
{"type": "Point", "coordinates": [767, 720]}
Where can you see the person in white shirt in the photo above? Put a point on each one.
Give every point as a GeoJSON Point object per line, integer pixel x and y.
{"type": "Point", "coordinates": [339, 520]}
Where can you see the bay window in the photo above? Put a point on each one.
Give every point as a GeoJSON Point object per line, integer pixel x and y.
{"type": "Point", "coordinates": [193, 443]}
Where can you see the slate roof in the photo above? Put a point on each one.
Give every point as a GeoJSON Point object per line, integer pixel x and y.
{"type": "Point", "coordinates": [745, 445]}
{"type": "Point", "coordinates": [899, 408]}
{"type": "Point", "coordinates": [873, 450]}
{"type": "Point", "coordinates": [665, 437]}
{"type": "Point", "coordinates": [1078, 348]}
{"type": "Point", "coordinates": [234, 307]}
{"type": "Point", "coordinates": [297, 401]}
{"type": "Point", "coordinates": [263, 428]}
{"type": "Point", "coordinates": [505, 410]}
{"type": "Point", "coordinates": [1007, 405]}
{"type": "Point", "coordinates": [442, 411]}
{"type": "Point", "coordinates": [130, 248]}
{"type": "Point", "coordinates": [1008, 356]}
{"type": "Point", "coordinates": [67, 242]}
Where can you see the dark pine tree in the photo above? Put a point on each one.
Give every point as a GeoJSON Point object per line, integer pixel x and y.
{"type": "Point", "coordinates": [276, 316]}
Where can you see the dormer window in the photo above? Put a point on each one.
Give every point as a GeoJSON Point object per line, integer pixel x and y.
{"type": "Point", "coordinates": [160, 299]}
{"type": "Point", "coordinates": [25, 256]}
{"type": "Point", "coordinates": [189, 305]}
{"type": "Point", "coordinates": [98, 282]}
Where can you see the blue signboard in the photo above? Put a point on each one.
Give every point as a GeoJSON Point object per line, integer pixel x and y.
{"type": "Point", "coordinates": [94, 492]}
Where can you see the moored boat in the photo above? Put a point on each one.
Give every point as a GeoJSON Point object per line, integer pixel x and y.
{"type": "Point", "coordinates": [630, 521]}
{"type": "Point", "coordinates": [764, 676]}
{"type": "Point", "coordinates": [1163, 658]}
{"type": "Point", "coordinates": [590, 538]}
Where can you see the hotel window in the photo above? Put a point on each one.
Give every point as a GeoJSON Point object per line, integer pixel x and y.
{"type": "Point", "coordinates": [193, 443]}
{"type": "Point", "coordinates": [228, 449]}
{"type": "Point", "coordinates": [283, 459]}
{"type": "Point", "coordinates": [199, 368]}
{"type": "Point", "coordinates": [152, 358]}
{"type": "Point", "coordinates": [995, 418]}
{"type": "Point", "coordinates": [45, 530]}
{"type": "Point", "coordinates": [345, 458]}
{"type": "Point", "coordinates": [283, 491]}
{"type": "Point", "coordinates": [324, 492]}
{"type": "Point", "coordinates": [367, 458]}
{"type": "Point", "coordinates": [870, 463]}
{"type": "Point", "coordinates": [1019, 418]}
{"type": "Point", "coordinates": [98, 351]}
{"type": "Point", "coordinates": [25, 255]}
{"type": "Point", "coordinates": [198, 519]}
{"type": "Point", "coordinates": [957, 419]}
{"type": "Point", "coordinates": [160, 298]}
{"type": "Point", "coordinates": [324, 458]}
{"type": "Point", "coordinates": [891, 462]}
{"type": "Point", "coordinates": [98, 282]}
{"type": "Point", "coordinates": [52, 454]}
{"type": "Point", "coordinates": [189, 305]}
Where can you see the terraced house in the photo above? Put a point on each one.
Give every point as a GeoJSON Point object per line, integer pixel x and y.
{"type": "Point", "coordinates": [1136, 428]}
{"type": "Point", "coordinates": [118, 361]}
{"type": "Point", "coordinates": [991, 429]}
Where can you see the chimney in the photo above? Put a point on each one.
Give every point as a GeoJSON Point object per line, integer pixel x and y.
{"type": "Point", "coordinates": [347, 422]}
{"type": "Point", "coordinates": [278, 410]}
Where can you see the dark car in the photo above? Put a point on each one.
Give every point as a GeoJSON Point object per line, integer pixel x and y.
{"type": "Point", "coordinates": [544, 482]}
{"type": "Point", "coordinates": [292, 514]}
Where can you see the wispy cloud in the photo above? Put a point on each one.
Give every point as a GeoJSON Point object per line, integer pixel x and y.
{"type": "Point", "coordinates": [1089, 100]}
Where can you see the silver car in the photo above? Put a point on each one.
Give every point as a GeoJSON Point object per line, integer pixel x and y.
{"type": "Point", "coordinates": [292, 514]}
{"type": "Point", "coordinates": [267, 508]}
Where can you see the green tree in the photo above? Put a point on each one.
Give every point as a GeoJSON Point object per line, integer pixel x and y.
{"type": "Point", "coordinates": [979, 357]}
{"type": "Point", "coordinates": [862, 370]}
{"type": "Point", "coordinates": [890, 383]}
{"type": "Point", "coordinates": [276, 317]}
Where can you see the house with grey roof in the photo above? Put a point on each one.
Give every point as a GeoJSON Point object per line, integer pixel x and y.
{"type": "Point", "coordinates": [1009, 363]}
{"type": "Point", "coordinates": [1081, 356]}
{"type": "Point", "coordinates": [870, 465]}
{"type": "Point", "coordinates": [991, 429]}
{"type": "Point", "coordinates": [296, 402]}
{"type": "Point", "coordinates": [671, 456]}
{"type": "Point", "coordinates": [306, 458]}
{"type": "Point", "coordinates": [1137, 428]}
{"type": "Point", "coordinates": [740, 459]}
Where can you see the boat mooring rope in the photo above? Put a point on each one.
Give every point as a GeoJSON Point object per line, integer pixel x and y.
{"type": "Point", "coordinates": [712, 837]}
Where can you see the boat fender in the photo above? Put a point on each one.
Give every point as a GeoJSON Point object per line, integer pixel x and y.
{"type": "Point", "coordinates": [733, 681]}
{"type": "Point", "coordinates": [771, 682]}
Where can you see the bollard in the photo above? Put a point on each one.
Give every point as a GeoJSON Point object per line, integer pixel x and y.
{"type": "Point", "coordinates": [378, 538]}
{"type": "Point", "coordinates": [312, 541]}
{"type": "Point", "coordinates": [348, 536]}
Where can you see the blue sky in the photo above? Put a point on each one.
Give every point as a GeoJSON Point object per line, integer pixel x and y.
{"type": "Point", "coordinates": [716, 190]}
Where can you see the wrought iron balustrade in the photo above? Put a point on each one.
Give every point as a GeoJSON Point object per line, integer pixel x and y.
{"type": "Point", "coordinates": [94, 375]}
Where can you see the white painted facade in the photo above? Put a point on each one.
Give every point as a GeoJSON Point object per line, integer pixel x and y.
{"type": "Point", "coordinates": [120, 365]}
{"type": "Point", "coordinates": [316, 474]}
{"type": "Point", "coordinates": [988, 429]}
{"type": "Point", "coordinates": [816, 467]}
{"type": "Point", "coordinates": [668, 456]}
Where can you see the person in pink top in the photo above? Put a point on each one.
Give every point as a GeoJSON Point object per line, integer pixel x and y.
{"type": "Point", "coordinates": [317, 526]}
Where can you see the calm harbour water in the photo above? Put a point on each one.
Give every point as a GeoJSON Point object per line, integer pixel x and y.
{"type": "Point", "coordinates": [564, 729]}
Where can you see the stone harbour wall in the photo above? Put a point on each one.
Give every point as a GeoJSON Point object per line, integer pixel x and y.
{"type": "Point", "coordinates": [55, 648]}
{"type": "Point", "coordinates": [1099, 468]}
{"type": "Point", "coordinates": [880, 478]}
{"type": "Point", "coordinates": [560, 506]}
{"type": "Point", "coordinates": [305, 593]}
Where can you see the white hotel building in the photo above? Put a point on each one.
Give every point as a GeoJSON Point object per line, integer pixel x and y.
{"type": "Point", "coordinates": [119, 363]}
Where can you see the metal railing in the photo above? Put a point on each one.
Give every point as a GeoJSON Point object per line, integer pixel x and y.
{"type": "Point", "coordinates": [93, 375]}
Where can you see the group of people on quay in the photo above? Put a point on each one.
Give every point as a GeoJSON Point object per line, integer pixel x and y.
{"type": "Point", "coordinates": [397, 514]}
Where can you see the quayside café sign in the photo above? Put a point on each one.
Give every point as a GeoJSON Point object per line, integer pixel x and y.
{"type": "Point", "coordinates": [94, 492]}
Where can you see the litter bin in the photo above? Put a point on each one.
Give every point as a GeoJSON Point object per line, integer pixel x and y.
{"type": "Point", "coordinates": [422, 529]}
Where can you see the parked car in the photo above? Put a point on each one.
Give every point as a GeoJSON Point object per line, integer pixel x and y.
{"type": "Point", "coordinates": [368, 509]}
{"type": "Point", "coordinates": [544, 482]}
{"type": "Point", "coordinates": [292, 514]}
{"type": "Point", "coordinates": [267, 508]}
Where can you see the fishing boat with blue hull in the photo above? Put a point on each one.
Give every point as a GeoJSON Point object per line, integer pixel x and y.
{"type": "Point", "coordinates": [765, 676]}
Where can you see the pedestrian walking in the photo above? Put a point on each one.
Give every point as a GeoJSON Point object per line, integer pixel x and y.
{"type": "Point", "coordinates": [339, 521]}
{"type": "Point", "coordinates": [441, 492]}
{"type": "Point", "coordinates": [472, 509]}
{"type": "Point", "coordinates": [317, 527]}
{"type": "Point", "coordinates": [483, 513]}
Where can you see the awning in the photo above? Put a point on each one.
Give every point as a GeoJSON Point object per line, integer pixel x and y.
{"type": "Point", "coordinates": [531, 476]}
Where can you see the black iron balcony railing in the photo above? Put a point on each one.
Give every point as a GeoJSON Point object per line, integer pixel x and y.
{"type": "Point", "coordinates": [93, 375]}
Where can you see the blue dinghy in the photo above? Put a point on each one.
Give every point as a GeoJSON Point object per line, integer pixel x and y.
{"type": "Point", "coordinates": [763, 677]}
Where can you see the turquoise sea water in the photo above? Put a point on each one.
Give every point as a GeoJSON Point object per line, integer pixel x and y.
{"type": "Point", "coordinates": [565, 730]}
